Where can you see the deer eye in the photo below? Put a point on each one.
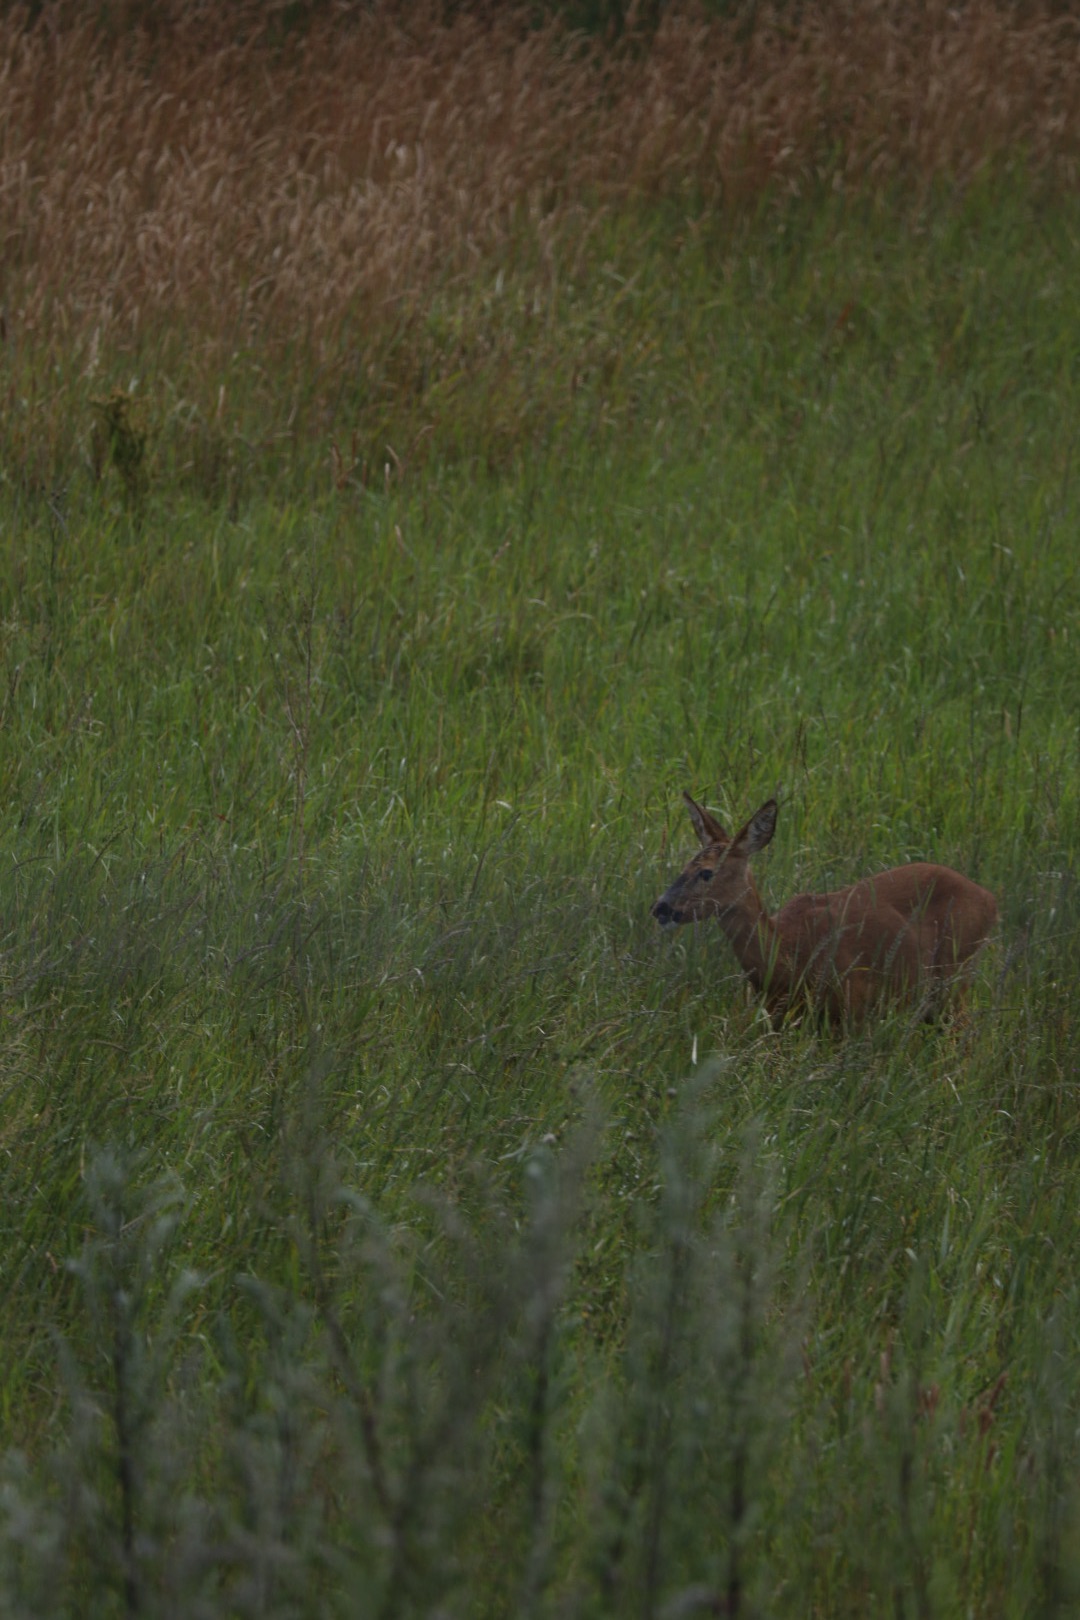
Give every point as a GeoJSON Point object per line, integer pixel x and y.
{"type": "Point", "coordinates": [705, 875]}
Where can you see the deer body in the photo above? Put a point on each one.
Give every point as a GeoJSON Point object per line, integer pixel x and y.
{"type": "Point", "coordinates": [907, 935]}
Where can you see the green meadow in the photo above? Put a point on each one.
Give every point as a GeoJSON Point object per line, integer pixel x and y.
{"type": "Point", "coordinates": [395, 1221]}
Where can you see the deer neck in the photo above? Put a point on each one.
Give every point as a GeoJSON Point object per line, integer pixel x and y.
{"type": "Point", "coordinates": [753, 936]}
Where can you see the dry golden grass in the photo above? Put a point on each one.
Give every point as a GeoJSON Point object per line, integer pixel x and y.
{"type": "Point", "coordinates": [243, 195]}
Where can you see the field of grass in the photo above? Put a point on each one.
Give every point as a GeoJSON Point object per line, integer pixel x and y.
{"type": "Point", "coordinates": [394, 1221]}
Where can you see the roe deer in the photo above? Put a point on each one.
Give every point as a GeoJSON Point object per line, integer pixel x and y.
{"type": "Point", "coordinates": [906, 935]}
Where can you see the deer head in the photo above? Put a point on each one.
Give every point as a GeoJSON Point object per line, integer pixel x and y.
{"type": "Point", "coordinates": [718, 878]}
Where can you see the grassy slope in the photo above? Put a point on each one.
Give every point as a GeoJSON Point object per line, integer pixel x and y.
{"type": "Point", "coordinates": [368, 795]}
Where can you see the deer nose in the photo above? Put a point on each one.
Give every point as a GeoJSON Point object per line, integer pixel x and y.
{"type": "Point", "coordinates": [662, 912]}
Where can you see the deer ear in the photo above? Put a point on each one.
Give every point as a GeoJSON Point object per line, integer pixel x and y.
{"type": "Point", "coordinates": [757, 832]}
{"type": "Point", "coordinates": [707, 828]}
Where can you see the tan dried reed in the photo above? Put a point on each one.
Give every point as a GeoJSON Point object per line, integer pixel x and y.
{"type": "Point", "coordinates": [202, 181]}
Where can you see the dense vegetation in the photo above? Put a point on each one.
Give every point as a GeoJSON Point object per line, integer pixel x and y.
{"type": "Point", "coordinates": [428, 442]}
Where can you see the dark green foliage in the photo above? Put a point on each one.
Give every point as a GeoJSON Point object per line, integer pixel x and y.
{"type": "Point", "coordinates": [347, 1437]}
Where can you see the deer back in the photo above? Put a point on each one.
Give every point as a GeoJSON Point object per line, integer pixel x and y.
{"type": "Point", "coordinates": [903, 935]}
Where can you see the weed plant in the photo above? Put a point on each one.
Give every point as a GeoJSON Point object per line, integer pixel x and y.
{"type": "Point", "coordinates": [393, 1221]}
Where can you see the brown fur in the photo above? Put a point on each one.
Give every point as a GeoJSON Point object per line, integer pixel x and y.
{"type": "Point", "coordinates": [906, 936]}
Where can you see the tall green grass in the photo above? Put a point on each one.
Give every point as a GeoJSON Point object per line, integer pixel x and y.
{"type": "Point", "coordinates": [393, 1221]}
